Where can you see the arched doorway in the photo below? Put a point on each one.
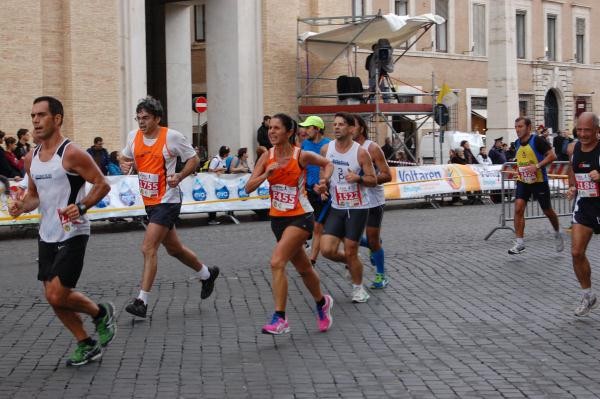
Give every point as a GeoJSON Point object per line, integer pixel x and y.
{"type": "Point", "coordinates": [551, 111]}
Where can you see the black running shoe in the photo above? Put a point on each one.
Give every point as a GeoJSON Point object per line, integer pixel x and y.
{"type": "Point", "coordinates": [137, 307]}
{"type": "Point", "coordinates": [208, 285]}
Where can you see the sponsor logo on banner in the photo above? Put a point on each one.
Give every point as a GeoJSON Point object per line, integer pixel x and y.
{"type": "Point", "coordinates": [454, 177]}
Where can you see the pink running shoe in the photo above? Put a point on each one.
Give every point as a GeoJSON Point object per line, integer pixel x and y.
{"type": "Point", "coordinates": [277, 326]}
{"type": "Point", "coordinates": [324, 317]}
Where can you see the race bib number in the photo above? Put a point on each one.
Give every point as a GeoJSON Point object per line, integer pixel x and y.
{"type": "Point", "coordinates": [586, 187]}
{"type": "Point", "coordinates": [526, 175]}
{"type": "Point", "coordinates": [66, 223]}
{"type": "Point", "coordinates": [283, 198]}
{"type": "Point", "coordinates": [348, 195]}
{"type": "Point", "coordinates": [148, 184]}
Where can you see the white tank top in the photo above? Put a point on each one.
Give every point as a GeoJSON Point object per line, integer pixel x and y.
{"type": "Point", "coordinates": [376, 194]}
{"type": "Point", "coordinates": [346, 195]}
{"type": "Point", "coordinates": [56, 189]}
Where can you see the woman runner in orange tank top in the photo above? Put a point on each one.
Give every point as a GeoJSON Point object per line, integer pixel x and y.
{"type": "Point", "coordinates": [291, 219]}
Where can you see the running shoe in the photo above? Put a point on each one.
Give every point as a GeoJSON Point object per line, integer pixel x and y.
{"type": "Point", "coordinates": [137, 307]}
{"type": "Point", "coordinates": [517, 249]}
{"type": "Point", "coordinates": [278, 326]}
{"type": "Point", "coordinates": [559, 242]}
{"type": "Point", "coordinates": [359, 294]}
{"type": "Point", "coordinates": [588, 302]}
{"type": "Point", "coordinates": [84, 354]}
{"type": "Point", "coordinates": [106, 326]}
{"type": "Point", "coordinates": [324, 317]}
{"type": "Point", "coordinates": [208, 285]}
{"type": "Point", "coordinates": [380, 281]}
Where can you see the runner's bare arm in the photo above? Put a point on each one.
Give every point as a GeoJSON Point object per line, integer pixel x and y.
{"type": "Point", "coordinates": [260, 173]}
{"type": "Point", "coordinates": [31, 199]}
{"type": "Point", "coordinates": [385, 175]}
{"type": "Point", "coordinates": [572, 191]}
{"type": "Point", "coordinates": [189, 168]}
{"type": "Point", "coordinates": [125, 163]}
{"type": "Point", "coordinates": [78, 161]}
{"type": "Point", "coordinates": [368, 179]}
{"type": "Point", "coordinates": [311, 158]}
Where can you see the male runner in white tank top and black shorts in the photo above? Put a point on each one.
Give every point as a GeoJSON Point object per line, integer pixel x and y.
{"type": "Point", "coordinates": [353, 172]}
{"type": "Point", "coordinates": [57, 172]}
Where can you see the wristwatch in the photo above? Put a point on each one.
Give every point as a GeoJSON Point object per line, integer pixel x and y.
{"type": "Point", "coordinates": [81, 208]}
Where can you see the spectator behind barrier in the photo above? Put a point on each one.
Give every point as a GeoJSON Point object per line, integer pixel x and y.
{"type": "Point", "coordinates": [113, 168]}
{"type": "Point", "coordinates": [496, 154]}
{"type": "Point", "coordinates": [467, 152]}
{"type": "Point", "coordinates": [240, 162]}
{"type": "Point", "coordinates": [483, 158]}
{"type": "Point", "coordinates": [262, 134]}
{"type": "Point", "coordinates": [18, 164]}
{"type": "Point", "coordinates": [99, 154]}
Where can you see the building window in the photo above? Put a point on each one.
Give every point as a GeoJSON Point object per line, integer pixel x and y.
{"type": "Point", "coordinates": [441, 31]}
{"type": "Point", "coordinates": [521, 34]}
{"type": "Point", "coordinates": [526, 105]}
{"type": "Point", "coordinates": [551, 44]}
{"type": "Point", "coordinates": [358, 8]}
{"type": "Point", "coordinates": [579, 40]}
{"type": "Point", "coordinates": [199, 15]}
{"type": "Point", "coordinates": [401, 7]}
{"type": "Point", "coordinates": [479, 42]}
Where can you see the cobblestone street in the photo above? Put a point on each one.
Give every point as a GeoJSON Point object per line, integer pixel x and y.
{"type": "Point", "coordinates": [460, 319]}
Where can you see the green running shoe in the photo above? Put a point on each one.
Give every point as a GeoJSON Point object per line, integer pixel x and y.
{"type": "Point", "coordinates": [380, 281]}
{"type": "Point", "coordinates": [84, 354]}
{"type": "Point", "coordinates": [106, 327]}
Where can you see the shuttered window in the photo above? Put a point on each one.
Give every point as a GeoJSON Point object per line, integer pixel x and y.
{"type": "Point", "coordinates": [520, 34]}
{"type": "Point", "coordinates": [441, 31]}
{"type": "Point", "coordinates": [479, 33]}
{"type": "Point", "coordinates": [551, 26]}
{"type": "Point", "coordinates": [579, 40]}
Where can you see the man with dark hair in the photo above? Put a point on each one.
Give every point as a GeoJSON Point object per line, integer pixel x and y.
{"type": "Point", "coordinates": [99, 154]}
{"type": "Point", "coordinates": [383, 174]}
{"type": "Point", "coordinates": [57, 173]}
{"type": "Point", "coordinates": [353, 173]}
{"type": "Point", "coordinates": [155, 149]}
{"type": "Point", "coordinates": [23, 145]}
{"type": "Point", "coordinates": [534, 153]}
{"type": "Point", "coordinates": [262, 134]}
{"type": "Point", "coordinates": [468, 153]}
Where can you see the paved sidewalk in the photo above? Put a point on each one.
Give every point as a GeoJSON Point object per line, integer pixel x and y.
{"type": "Point", "coordinates": [461, 319]}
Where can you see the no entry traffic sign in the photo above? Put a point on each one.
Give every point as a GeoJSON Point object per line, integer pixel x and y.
{"type": "Point", "coordinates": [200, 104]}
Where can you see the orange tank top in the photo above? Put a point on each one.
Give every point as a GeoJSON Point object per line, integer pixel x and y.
{"type": "Point", "coordinates": [288, 195]}
{"type": "Point", "coordinates": [151, 166]}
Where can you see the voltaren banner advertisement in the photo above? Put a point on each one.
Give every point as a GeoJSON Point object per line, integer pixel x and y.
{"type": "Point", "coordinates": [420, 181]}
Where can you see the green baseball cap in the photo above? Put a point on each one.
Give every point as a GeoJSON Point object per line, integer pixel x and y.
{"type": "Point", "coordinates": [313, 120]}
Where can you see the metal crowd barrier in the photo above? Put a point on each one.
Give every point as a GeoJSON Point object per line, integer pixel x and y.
{"type": "Point", "coordinates": [558, 180]}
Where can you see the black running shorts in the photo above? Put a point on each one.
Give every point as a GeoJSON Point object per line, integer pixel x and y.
{"type": "Point", "coordinates": [163, 214]}
{"type": "Point", "coordinates": [280, 223]}
{"type": "Point", "coordinates": [540, 192]}
{"type": "Point", "coordinates": [63, 259]}
{"type": "Point", "coordinates": [587, 213]}
{"type": "Point", "coordinates": [346, 223]}
{"type": "Point", "coordinates": [375, 216]}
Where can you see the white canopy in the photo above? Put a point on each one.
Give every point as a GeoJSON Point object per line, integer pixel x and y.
{"type": "Point", "coordinates": [396, 28]}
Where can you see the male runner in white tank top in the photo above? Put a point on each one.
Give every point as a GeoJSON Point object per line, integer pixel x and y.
{"type": "Point", "coordinates": [376, 200]}
{"type": "Point", "coordinates": [57, 171]}
{"type": "Point", "coordinates": [353, 172]}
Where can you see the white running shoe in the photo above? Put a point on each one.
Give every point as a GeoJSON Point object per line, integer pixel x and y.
{"type": "Point", "coordinates": [588, 302]}
{"type": "Point", "coordinates": [559, 242]}
{"type": "Point", "coordinates": [517, 249]}
{"type": "Point", "coordinates": [359, 294]}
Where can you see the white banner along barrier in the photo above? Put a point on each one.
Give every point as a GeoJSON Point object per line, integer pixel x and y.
{"type": "Point", "coordinates": [209, 192]}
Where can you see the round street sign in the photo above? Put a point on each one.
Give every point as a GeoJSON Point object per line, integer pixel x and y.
{"type": "Point", "coordinates": [200, 104]}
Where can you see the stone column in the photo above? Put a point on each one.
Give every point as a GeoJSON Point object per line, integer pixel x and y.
{"type": "Point", "coordinates": [179, 67]}
{"type": "Point", "coordinates": [503, 90]}
{"type": "Point", "coordinates": [133, 62]}
{"type": "Point", "coordinates": [233, 73]}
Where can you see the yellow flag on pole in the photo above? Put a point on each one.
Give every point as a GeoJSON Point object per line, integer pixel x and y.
{"type": "Point", "coordinates": [446, 96]}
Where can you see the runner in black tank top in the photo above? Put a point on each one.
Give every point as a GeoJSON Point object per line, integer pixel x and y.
{"type": "Point", "coordinates": [584, 186]}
